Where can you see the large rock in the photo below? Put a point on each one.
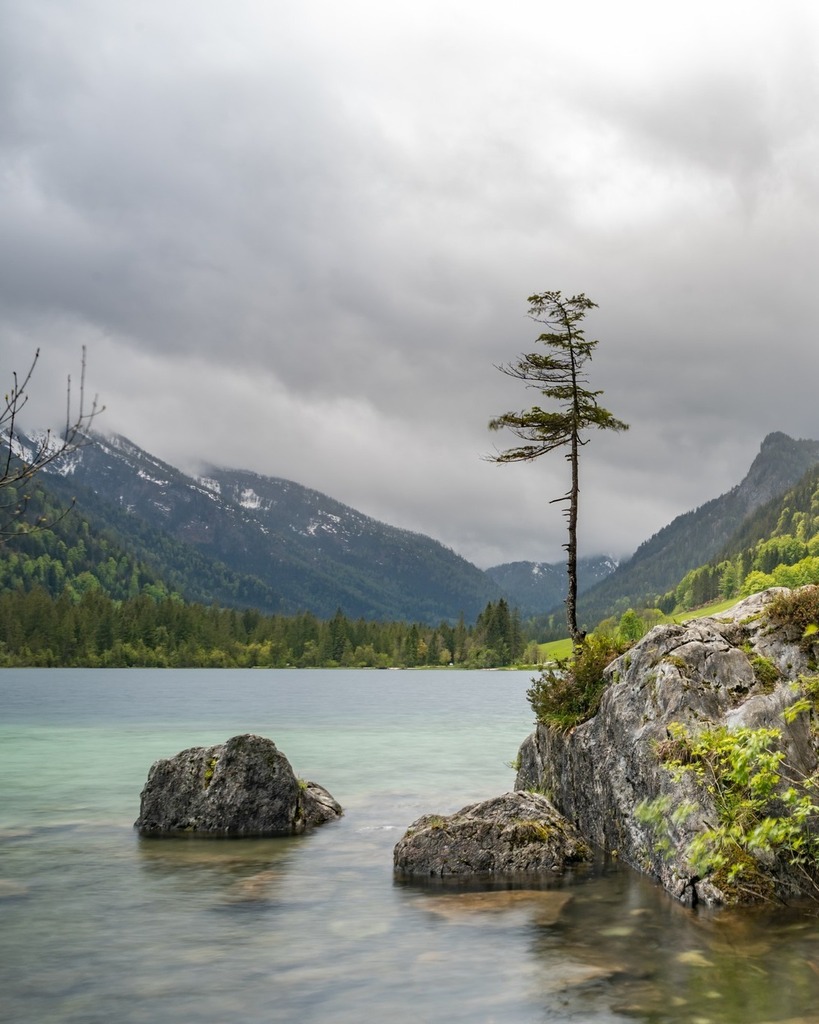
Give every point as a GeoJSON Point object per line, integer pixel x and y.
{"type": "Point", "coordinates": [510, 834]}
{"type": "Point", "coordinates": [733, 670]}
{"type": "Point", "coordinates": [244, 787]}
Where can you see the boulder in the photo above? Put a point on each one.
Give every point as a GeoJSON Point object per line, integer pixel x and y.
{"type": "Point", "coordinates": [737, 669]}
{"type": "Point", "coordinates": [244, 787]}
{"type": "Point", "coordinates": [510, 834]}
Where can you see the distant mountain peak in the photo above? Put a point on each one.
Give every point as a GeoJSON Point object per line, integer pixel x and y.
{"type": "Point", "coordinates": [776, 437]}
{"type": "Point", "coordinates": [781, 461]}
{"type": "Point", "coordinates": [537, 587]}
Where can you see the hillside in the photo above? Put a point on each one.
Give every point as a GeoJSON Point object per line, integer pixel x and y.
{"type": "Point", "coordinates": [694, 538]}
{"type": "Point", "coordinates": [121, 552]}
{"type": "Point", "coordinates": [281, 546]}
{"type": "Point", "coordinates": [777, 545]}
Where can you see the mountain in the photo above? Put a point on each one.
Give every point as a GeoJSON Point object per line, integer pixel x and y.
{"type": "Point", "coordinates": [244, 540]}
{"type": "Point", "coordinates": [536, 587]}
{"type": "Point", "coordinates": [777, 545]}
{"type": "Point", "coordinates": [694, 538]}
{"type": "Point", "coordinates": [295, 548]}
{"type": "Point", "coordinates": [779, 516]}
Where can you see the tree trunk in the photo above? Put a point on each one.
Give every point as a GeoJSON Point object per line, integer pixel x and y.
{"type": "Point", "coordinates": [571, 547]}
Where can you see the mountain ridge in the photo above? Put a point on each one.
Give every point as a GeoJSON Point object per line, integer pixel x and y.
{"type": "Point", "coordinates": [695, 537]}
{"type": "Point", "coordinates": [315, 552]}
{"type": "Point", "coordinates": [537, 586]}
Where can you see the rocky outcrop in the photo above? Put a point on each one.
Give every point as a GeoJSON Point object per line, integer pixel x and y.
{"type": "Point", "coordinates": [244, 787]}
{"type": "Point", "coordinates": [733, 670]}
{"type": "Point", "coordinates": [510, 834]}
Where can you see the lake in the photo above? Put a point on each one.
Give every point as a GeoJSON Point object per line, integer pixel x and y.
{"type": "Point", "coordinates": [99, 925]}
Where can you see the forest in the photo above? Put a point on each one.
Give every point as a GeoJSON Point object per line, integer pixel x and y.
{"type": "Point", "coordinates": [153, 630]}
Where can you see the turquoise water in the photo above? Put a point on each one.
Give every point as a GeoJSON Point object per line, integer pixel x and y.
{"type": "Point", "coordinates": [98, 925]}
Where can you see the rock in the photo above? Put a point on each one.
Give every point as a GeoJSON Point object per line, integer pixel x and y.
{"type": "Point", "coordinates": [510, 834]}
{"type": "Point", "coordinates": [244, 787]}
{"type": "Point", "coordinates": [702, 674]}
{"type": "Point", "coordinates": [544, 906]}
{"type": "Point", "coordinates": [254, 889]}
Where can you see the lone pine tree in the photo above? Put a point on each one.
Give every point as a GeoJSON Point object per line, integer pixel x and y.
{"type": "Point", "coordinates": [559, 375]}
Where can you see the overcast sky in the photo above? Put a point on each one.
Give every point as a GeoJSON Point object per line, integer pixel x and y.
{"type": "Point", "coordinates": [297, 238]}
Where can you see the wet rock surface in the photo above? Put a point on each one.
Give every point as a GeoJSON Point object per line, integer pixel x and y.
{"type": "Point", "coordinates": [244, 787]}
{"type": "Point", "coordinates": [515, 833]}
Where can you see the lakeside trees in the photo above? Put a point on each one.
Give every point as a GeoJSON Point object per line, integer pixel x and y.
{"type": "Point", "coordinates": [559, 375]}
{"type": "Point", "coordinates": [82, 626]}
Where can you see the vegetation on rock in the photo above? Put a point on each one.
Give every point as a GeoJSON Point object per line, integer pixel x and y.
{"type": "Point", "coordinates": [764, 811]}
{"type": "Point", "coordinates": [569, 692]}
{"type": "Point", "coordinates": [710, 744]}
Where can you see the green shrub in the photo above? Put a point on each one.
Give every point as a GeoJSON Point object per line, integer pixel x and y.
{"type": "Point", "coordinates": [569, 693]}
{"type": "Point", "coordinates": [798, 613]}
{"type": "Point", "coordinates": [765, 671]}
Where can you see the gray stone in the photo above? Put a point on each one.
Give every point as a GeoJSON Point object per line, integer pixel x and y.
{"type": "Point", "coordinates": [510, 834]}
{"type": "Point", "coordinates": [700, 674]}
{"type": "Point", "coordinates": [244, 787]}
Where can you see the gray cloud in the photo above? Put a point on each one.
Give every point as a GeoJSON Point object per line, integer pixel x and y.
{"type": "Point", "coordinates": [298, 239]}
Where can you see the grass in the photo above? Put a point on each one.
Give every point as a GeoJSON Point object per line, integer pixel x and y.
{"type": "Point", "coordinates": [706, 610]}
{"type": "Point", "coordinates": [560, 650]}
{"type": "Point", "coordinates": [555, 650]}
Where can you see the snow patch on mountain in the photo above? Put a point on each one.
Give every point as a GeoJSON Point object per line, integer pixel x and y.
{"type": "Point", "coordinates": [43, 446]}
{"type": "Point", "coordinates": [248, 498]}
{"type": "Point", "coordinates": [151, 479]}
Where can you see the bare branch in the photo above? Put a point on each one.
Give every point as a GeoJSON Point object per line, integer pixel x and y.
{"type": "Point", "coordinates": [24, 457]}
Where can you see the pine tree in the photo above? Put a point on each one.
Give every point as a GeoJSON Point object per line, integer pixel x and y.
{"type": "Point", "coordinates": [560, 377]}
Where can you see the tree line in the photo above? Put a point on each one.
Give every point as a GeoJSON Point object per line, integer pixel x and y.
{"type": "Point", "coordinates": [152, 630]}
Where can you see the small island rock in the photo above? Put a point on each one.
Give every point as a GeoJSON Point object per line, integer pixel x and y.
{"type": "Point", "coordinates": [509, 834]}
{"type": "Point", "coordinates": [244, 787]}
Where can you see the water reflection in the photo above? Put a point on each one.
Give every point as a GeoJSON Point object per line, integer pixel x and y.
{"type": "Point", "coordinates": [611, 946]}
{"type": "Point", "coordinates": [230, 870]}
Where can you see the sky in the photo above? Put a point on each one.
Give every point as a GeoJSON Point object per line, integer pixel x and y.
{"type": "Point", "coordinates": [299, 239]}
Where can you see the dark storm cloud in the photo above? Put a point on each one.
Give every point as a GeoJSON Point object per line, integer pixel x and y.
{"type": "Point", "coordinates": [298, 239]}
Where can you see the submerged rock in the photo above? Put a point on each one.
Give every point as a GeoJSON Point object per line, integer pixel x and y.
{"type": "Point", "coordinates": [737, 669]}
{"type": "Point", "coordinates": [543, 906]}
{"type": "Point", "coordinates": [244, 787]}
{"type": "Point", "coordinates": [509, 834]}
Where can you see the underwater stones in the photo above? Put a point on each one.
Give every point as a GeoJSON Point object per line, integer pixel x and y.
{"type": "Point", "coordinates": [244, 787]}
{"type": "Point", "coordinates": [509, 834]}
{"type": "Point", "coordinates": [542, 906]}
